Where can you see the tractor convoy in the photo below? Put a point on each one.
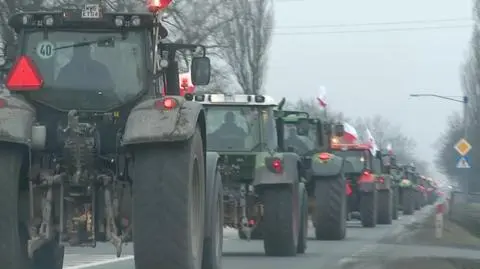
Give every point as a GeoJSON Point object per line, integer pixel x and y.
{"type": "Point", "coordinates": [122, 151]}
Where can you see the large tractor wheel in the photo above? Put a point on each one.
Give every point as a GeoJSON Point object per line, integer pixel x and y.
{"type": "Point", "coordinates": [303, 233]}
{"type": "Point", "coordinates": [281, 220]}
{"type": "Point", "coordinates": [169, 204]}
{"type": "Point", "coordinates": [13, 232]}
{"type": "Point", "coordinates": [331, 208]}
{"type": "Point", "coordinates": [408, 201]}
{"type": "Point", "coordinates": [395, 201]}
{"type": "Point", "coordinates": [384, 203]}
{"type": "Point", "coordinates": [417, 199]}
{"type": "Point", "coordinates": [368, 209]}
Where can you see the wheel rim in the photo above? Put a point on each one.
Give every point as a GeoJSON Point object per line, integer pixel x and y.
{"type": "Point", "coordinates": [196, 212]}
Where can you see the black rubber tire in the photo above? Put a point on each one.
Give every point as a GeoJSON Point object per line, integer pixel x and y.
{"type": "Point", "coordinates": [384, 207]}
{"type": "Point", "coordinates": [166, 178]}
{"type": "Point", "coordinates": [395, 196]}
{"type": "Point", "coordinates": [330, 208]}
{"type": "Point", "coordinates": [417, 199]}
{"type": "Point", "coordinates": [408, 201]}
{"type": "Point", "coordinates": [49, 256]}
{"type": "Point", "coordinates": [213, 246]}
{"type": "Point", "coordinates": [368, 209]}
{"type": "Point", "coordinates": [303, 233]}
{"type": "Point", "coordinates": [281, 220]}
{"type": "Point", "coordinates": [12, 247]}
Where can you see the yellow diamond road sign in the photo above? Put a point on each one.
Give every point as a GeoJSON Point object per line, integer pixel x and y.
{"type": "Point", "coordinates": [463, 147]}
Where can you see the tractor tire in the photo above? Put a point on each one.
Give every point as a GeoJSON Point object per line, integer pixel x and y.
{"type": "Point", "coordinates": [331, 208]}
{"type": "Point", "coordinates": [408, 201]}
{"type": "Point", "coordinates": [169, 204]}
{"type": "Point", "coordinates": [417, 199]}
{"type": "Point", "coordinates": [281, 219]}
{"type": "Point", "coordinates": [368, 209]}
{"type": "Point", "coordinates": [213, 246]}
{"type": "Point", "coordinates": [395, 201]}
{"type": "Point", "coordinates": [13, 232]}
{"type": "Point", "coordinates": [303, 233]}
{"type": "Point", "coordinates": [384, 207]}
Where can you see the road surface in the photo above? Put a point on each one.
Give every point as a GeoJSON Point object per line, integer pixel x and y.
{"type": "Point", "coordinates": [240, 254]}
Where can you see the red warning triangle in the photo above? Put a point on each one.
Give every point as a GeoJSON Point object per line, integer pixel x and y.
{"type": "Point", "coordinates": [24, 76]}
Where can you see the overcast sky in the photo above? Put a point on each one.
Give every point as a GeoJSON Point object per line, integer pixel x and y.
{"type": "Point", "coordinates": [366, 73]}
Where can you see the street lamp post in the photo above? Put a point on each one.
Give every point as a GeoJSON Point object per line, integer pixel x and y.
{"type": "Point", "coordinates": [459, 99]}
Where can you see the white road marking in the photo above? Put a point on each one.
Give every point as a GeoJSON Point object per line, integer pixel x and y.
{"type": "Point", "coordinates": [87, 261]}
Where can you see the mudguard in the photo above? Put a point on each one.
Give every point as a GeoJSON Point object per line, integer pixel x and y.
{"type": "Point", "coordinates": [353, 166]}
{"type": "Point", "coordinates": [213, 184]}
{"type": "Point", "coordinates": [331, 167]}
{"type": "Point", "coordinates": [146, 123]}
{"type": "Point", "coordinates": [263, 175]}
{"type": "Point", "coordinates": [16, 119]}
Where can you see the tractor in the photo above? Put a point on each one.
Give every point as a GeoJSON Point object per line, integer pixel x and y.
{"type": "Point", "coordinates": [264, 195]}
{"type": "Point", "coordinates": [368, 190]}
{"type": "Point", "coordinates": [310, 138]}
{"type": "Point", "coordinates": [392, 170]}
{"type": "Point", "coordinates": [90, 149]}
{"type": "Point", "coordinates": [408, 192]}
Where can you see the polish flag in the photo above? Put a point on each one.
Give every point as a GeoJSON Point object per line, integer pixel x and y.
{"type": "Point", "coordinates": [371, 142]}
{"type": "Point", "coordinates": [185, 83]}
{"type": "Point", "coordinates": [321, 98]}
{"type": "Point", "coordinates": [350, 135]}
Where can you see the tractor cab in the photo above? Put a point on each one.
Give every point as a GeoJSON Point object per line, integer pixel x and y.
{"type": "Point", "coordinates": [90, 60]}
{"type": "Point", "coordinates": [239, 127]}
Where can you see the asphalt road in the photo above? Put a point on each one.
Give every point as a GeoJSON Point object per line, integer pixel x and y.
{"type": "Point", "coordinates": [240, 254]}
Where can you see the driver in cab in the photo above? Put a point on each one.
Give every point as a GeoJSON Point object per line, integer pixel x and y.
{"type": "Point", "coordinates": [230, 132]}
{"type": "Point", "coordinates": [83, 71]}
{"type": "Point", "coordinates": [294, 141]}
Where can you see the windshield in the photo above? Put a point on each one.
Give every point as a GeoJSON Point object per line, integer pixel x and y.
{"type": "Point", "coordinates": [234, 128]}
{"type": "Point", "coordinates": [300, 143]}
{"type": "Point", "coordinates": [83, 76]}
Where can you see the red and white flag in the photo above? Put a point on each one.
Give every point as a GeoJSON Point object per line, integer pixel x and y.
{"type": "Point", "coordinates": [350, 134]}
{"type": "Point", "coordinates": [321, 97]}
{"type": "Point", "coordinates": [371, 142]}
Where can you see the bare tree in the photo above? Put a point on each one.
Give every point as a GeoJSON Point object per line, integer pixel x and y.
{"type": "Point", "coordinates": [245, 41]}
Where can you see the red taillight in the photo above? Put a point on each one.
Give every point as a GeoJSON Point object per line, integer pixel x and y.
{"type": "Point", "coordinates": [381, 179]}
{"type": "Point", "coordinates": [166, 104]}
{"type": "Point", "coordinates": [3, 103]}
{"type": "Point", "coordinates": [277, 165]}
{"type": "Point", "coordinates": [324, 156]}
{"type": "Point", "coordinates": [366, 173]}
{"type": "Point", "coordinates": [251, 222]}
{"type": "Point", "coordinates": [155, 6]}
{"type": "Point", "coordinates": [24, 76]}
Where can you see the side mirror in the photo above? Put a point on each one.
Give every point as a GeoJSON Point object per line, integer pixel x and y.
{"type": "Point", "coordinates": [200, 71]}
{"type": "Point", "coordinates": [339, 130]}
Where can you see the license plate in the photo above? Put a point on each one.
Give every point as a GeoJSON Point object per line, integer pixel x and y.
{"type": "Point", "coordinates": [91, 11]}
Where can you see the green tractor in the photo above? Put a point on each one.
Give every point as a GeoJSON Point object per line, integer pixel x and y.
{"type": "Point", "coordinates": [264, 191]}
{"type": "Point", "coordinates": [408, 192]}
{"type": "Point", "coordinates": [310, 138]}
{"type": "Point", "coordinates": [368, 186]}
{"type": "Point", "coordinates": [391, 169]}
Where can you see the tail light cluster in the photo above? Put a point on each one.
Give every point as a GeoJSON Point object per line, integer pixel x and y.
{"type": "Point", "coordinates": [166, 104]}
{"type": "Point", "coordinates": [381, 179]}
{"type": "Point", "coordinates": [274, 164]}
